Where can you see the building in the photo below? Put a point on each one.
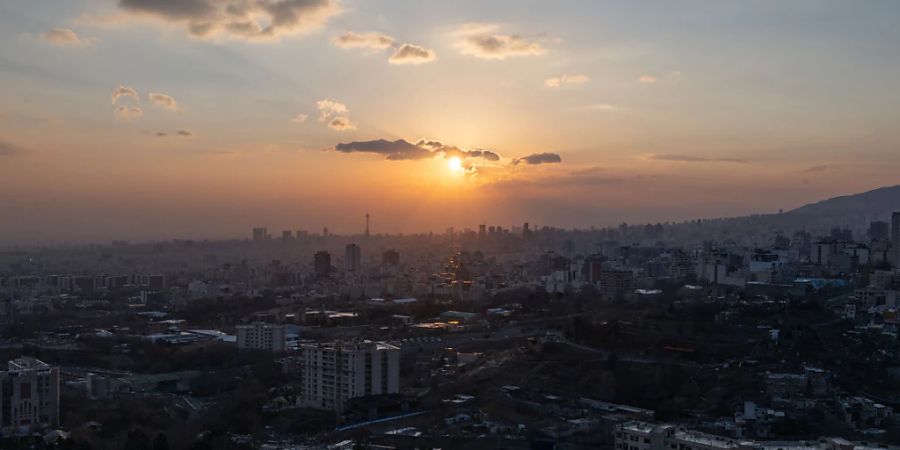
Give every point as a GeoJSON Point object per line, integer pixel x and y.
{"type": "Point", "coordinates": [352, 257]}
{"type": "Point", "coordinates": [29, 396]}
{"type": "Point", "coordinates": [260, 234]}
{"type": "Point", "coordinates": [335, 372]}
{"type": "Point", "coordinates": [261, 336]}
{"type": "Point", "coordinates": [391, 258]}
{"type": "Point", "coordinates": [322, 263]}
{"type": "Point", "coordinates": [895, 240]}
{"type": "Point", "coordinates": [650, 436]}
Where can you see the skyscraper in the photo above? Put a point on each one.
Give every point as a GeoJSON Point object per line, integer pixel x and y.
{"type": "Point", "coordinates": [895, 240]}
{"type": "Point", "coordinates": [260, 234]}
{"type": "Point", "coordinates": [352, 257]}
{"type": "Point", "coordinates": [322, 263]}
{"type": "Point", "coordinates": [367, 224]}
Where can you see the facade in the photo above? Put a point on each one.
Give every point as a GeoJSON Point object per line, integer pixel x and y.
{"type": "Point", "coordinates": [260, 234]}
{"type": "Point", "coordinates": [332, 373]}
{"type": "Point", "coordinates": [322, 264]}
{"type": "Point", "coordinates": [895, 240]}
{"type": "Point", "coordinates": [261, 336]}
{"type": "Point", "coordinates": [29, 396]}
{"type": "Point", "coordinates": [352, 258]}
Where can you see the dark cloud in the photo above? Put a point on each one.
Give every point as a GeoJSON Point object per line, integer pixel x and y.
{"type": "Point", "coordinates": [392, 150]}
{"type": "Point", "coordinates": [689, 158]}
{"type": "Point", "coordinates": [184, 133]}
{"type": "Point", "coordinates": [239, 18]}
{"type": "Point", "coordinates": [7, 149]}
{"type": "Point", "coordinates": [816, 169]}
{"type": "Point", "coordinates": [539, 158]}
{"type": "Point", "coordinates": [423, 149]}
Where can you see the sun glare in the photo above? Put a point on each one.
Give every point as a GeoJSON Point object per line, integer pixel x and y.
{"type": "Point", "coordinates": [455, 165]}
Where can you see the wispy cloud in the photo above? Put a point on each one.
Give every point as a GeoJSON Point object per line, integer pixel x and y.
{"type": "Point", "coordinates": [163, 101]}
{"type": "Point", "coordinates": [482, 41]}
{"type": "Point", "coordinates": [125, 91]}
{"type": "Point", "coordinates": [300, 118]}
{"type": "Point", "coordinates": [335, 114]}
{"type": "Point", "coordinates": [564, 80]}
{"type": "Point", "coordinates": [646, 79]}
{"type": "Point", "coordinates": [695, 159]}
{"type": "Point", "coordinates": [404, 53]}
{"type": "Point", "coordinates": [539, 158]}
{"type": "Point", "coordinates": [128, 112]}
{"type": "Point", "coordinates": [67, 37]}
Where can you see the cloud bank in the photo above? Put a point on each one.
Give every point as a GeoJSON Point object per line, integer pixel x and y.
{"type": "Point", "coordinates": [243, 19]}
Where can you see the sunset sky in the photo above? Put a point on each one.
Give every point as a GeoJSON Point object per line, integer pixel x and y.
{"type": "Point", "coordinates": [153, 119]}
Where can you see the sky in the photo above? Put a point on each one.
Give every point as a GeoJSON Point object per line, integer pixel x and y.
{"type": "Point", "coordinates": [159, 119]}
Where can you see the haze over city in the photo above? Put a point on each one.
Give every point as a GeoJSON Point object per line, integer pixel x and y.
{"type": "Point", "coordinates": [145, 120]}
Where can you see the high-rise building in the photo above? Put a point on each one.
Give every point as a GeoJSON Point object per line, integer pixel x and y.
{"type": "Point", "coordinates": [261, 336]}
{"type": "Point", "coordinates": [391, 258]}
{"type": "Point", "coordinates": [29, 396]}
{"type": "Point", "coordinates": [334, 372]}
{"type": "Point", "coordinates": [352, 257]}
{"type": "Point", "coordinates": [322, 263]}
{"type": "Point", "coordinates": [287, 235]}
{"type": "Point", "coordinates": [482, 231]}
{"type": "Point", "coordinates": [895, 240]}
{"type": "Point", "coordinates": [367, 224]}
{"type": "Point", "coordinates": [260, 234]}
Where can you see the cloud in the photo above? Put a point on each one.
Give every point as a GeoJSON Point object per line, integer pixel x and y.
{"type": "Point", "coordinates": [163, 100]}
{"type": "Point", "coordinates": [341, 123]}
{"type": "Point", "coordinates": [179, 133]}
{"type": "Point", "coordinates": [539, 158]}
{"type": "Point", "coordinates": [403, 53]}
{"type": "Point", "coordinates": [480, 41]}
{"type": "Point", "coordinates": [393, 150]}
{"type": "Point", "coordinates": [563, 80]}
{"type": "Point", "coordinates": [66, 36]}
{"type": "Point", "coordinates": [129, 112]}
{"type": "Point", "coordinates": [328, 108]}
{"type": "Point", "coordinates": [300, 118]}
{"type": "Point", "coordinates": [690, 158]}
{"type": "Point", "coordinates": [335, 114]}
{"type": "Point", "coordinates": [244, 19]}
{"type": "Point", "coordinates": [401, 149]}
{"type": "Point", "coordinates": [412, 54]}
{"type": "Point", "coordinates": [646, 79]}
{"type": "Point", "coordinates": [372, 40]}
{"type": "Point", "coordinates": [125, 91]}
{"type": "Point", "coordinates": [816, 169]}
{"type": "Point", "coordinates": [7, 149]}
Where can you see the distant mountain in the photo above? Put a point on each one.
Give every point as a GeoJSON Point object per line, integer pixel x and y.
{"type": "Point", "coordinates": [874, 204]}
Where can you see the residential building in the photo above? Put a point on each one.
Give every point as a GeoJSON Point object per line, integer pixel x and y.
{"type": "Point", "coordinates": [261, 336]}
{"type": "Point", "coordinates": [29, 396]}
{"type": "Point", "coordinates": [333, 372]}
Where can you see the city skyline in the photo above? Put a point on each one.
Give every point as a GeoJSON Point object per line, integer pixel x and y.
{"type": "Point", "coordinates": [144, 120]}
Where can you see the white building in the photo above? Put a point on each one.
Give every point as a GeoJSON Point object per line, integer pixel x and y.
{"type": "Point", "coordinates": [30, 396]}
{"type": "Point", "coordinates": [331, 373]}
{"type": "Point", "coordinates": [261, 336]}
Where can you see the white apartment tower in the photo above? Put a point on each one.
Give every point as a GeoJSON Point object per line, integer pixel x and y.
{"type": "Point", "coordinates": [29, 396]}
{"type": "Point", "coordinates": [334, 372]}
{"type": "Point", "coordinates": [261, 336]}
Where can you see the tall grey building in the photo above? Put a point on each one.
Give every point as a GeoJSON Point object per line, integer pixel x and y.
{"type": "Point", "coordinates": [352, 257]}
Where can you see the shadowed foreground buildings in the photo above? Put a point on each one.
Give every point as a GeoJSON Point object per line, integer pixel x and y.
{"type": "Point", "coordinates": [29, 396]}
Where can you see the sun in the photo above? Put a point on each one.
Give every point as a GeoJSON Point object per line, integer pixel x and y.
{"type": "Point", "coordinates": [455, 165]}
